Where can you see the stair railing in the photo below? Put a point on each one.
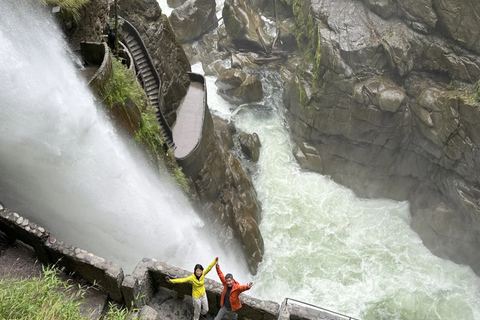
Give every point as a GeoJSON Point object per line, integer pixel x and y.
{"type": "Point", "coordinates": [130, 30]}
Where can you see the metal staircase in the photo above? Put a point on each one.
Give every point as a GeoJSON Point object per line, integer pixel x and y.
{"type": "Point", "coordinates": [148, 76]}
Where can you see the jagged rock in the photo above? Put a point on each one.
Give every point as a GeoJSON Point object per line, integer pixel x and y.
{"type": "Point", "coordinates": [224, 131]}
{"type": "Point", "coordinates": [419, 11]}
{"type": "Point", "coordinates": [245, 26]}
{"type": "Point", "coordinates": [286, 35]}
{"type": "Point", "coordinates": [148, 313]}
{"type": "Point", "coordinates": [230, 79]}
{"type": "Point", "coordinates": [88, 27]}
{"type": "Point", "coordinates": [384, 8]}
{"type": "Point", "coordinates": [175, 3]}
{"type": "Point", "coordinates": [461, 21]}
{"type": "Point", "coordinates": [250, 145]}
{"type": "Point", "coordinates": [193, 18]}
{"type": "Point", "coordinates": [244, 61]}
{"type": "Point", "coordinates": [235, 86]}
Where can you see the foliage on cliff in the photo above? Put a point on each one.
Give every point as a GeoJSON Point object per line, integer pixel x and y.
{"type": "Point", "coordinates": [68, 8]}
{"type": "Point", "coordinates": [307, 34]}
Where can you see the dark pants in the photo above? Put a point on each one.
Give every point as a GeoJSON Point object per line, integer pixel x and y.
{"type": "Point", "coordinates": [224, 313]}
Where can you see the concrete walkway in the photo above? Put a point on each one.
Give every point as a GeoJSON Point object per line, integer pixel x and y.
{"type": "Point", "coordinates": [187, 129]}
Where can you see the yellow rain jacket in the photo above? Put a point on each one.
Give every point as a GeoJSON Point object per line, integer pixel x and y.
{"type": "Point", "coordinates": [198, 288]}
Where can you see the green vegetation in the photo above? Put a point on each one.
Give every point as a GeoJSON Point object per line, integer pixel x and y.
{"type": "Point", "coordinates": [125, 85]}
{"type": "Point", "coordinates": [232, 25]}
{"type": "Point", "coordinates": [476, 89]}
{"type": "Point", "coordinates": [44, 298]}
{"type": "Point", "coordinates": [68, 8]}
{"type": "Point", "coordinates": [308, 36]}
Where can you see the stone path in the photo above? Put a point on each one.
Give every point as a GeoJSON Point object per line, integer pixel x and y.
{"type": "Point", "coordinates": [188, 127]}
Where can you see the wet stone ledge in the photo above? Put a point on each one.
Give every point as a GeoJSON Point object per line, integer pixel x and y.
{"type": "Point", "coordinates": [139, 288]}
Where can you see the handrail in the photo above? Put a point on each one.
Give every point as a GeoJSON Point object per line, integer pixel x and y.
{"type": "Point", "coordinates": [128, 28]}
{"type": "Point", "coordinates": [333, 313]}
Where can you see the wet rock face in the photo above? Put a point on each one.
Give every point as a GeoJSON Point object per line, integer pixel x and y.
{"type": "Point", "coordinates": [226, 191]}
{"type": "Point", "coordinates": [89, 27]}
{"type": "Point", "coordinates": [390, 108]}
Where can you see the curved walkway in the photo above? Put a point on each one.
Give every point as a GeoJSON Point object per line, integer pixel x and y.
{"type": "Point", "coordinates": [187, 130]}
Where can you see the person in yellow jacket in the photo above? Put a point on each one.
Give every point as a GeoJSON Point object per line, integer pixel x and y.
{"type": "Point", "coordinates": [199, 295]}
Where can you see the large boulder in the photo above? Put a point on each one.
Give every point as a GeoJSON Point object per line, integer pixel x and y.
{"type": "Point", "coordinates": [193, 19]}
{"type": "Point", "coordinates": [237, 87]}
{"type": "Point", "coordinates": [250, 145]}
{"type": "Point", "coordinates": [245, 26]}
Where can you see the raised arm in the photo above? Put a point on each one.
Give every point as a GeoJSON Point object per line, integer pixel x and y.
{"type": "Point", "coordinates": [180, 280]}
{"type": "Point", "coordinates": [210, 266]}
{"type": "Point", "coordinates": [220, 274]}
{"type": "Point", "coordinates": [245, 287]}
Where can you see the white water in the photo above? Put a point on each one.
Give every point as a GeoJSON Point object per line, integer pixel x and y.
{"type": "Point", "coordinates": [327, 247]}
{"type": "Point", "coordinates": [63, 166]}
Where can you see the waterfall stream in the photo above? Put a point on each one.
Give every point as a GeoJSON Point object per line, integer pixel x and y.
{"type": "Point", "coordinates": [63, 166]}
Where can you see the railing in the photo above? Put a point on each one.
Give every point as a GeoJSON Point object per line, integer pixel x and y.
{"type": "Point", "coordinates": [309, 311]}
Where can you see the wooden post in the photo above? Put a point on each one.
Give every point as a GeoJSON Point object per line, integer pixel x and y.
{"type": "Point", "coordinates": [116, 30]}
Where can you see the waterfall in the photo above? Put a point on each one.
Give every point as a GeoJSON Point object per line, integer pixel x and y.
{"type": "Point", "coordinates": [63, 165]}
{"type": "Point", "coordinates": [327, 247]}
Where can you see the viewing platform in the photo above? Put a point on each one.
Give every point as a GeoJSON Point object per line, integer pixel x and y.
{"type": "Point", "coordinates": [187, 130]}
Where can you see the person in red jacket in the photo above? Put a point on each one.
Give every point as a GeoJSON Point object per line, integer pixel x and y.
{"type": "Point", "coordinates": [229, 301]}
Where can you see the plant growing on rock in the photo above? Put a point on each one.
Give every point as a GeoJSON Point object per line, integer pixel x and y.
{"type": "Point", "coordinates": [68, 8]}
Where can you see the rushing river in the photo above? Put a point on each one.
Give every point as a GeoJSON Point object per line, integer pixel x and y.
{"type": "Point", "coordinates": [327, 247]}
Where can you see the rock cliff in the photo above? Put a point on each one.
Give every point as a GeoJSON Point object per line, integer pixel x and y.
{"type": "Point", "coordinates": [386, 103]}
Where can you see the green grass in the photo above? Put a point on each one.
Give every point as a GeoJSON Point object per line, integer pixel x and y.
{"type": "Point", "coordinates": [45, 297]}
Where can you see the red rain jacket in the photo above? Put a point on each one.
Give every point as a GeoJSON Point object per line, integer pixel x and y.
{"type": "Point", "coordinates": [234, 293]}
